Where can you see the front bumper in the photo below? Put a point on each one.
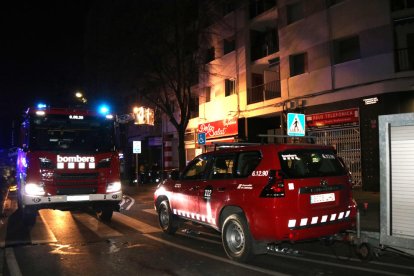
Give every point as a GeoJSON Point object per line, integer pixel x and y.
{"type": "Point", "coordinates": [69, 202]}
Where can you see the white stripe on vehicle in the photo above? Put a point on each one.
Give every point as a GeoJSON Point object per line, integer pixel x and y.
{"type": "Point", "coordinates": [314, 220]}
{"type": "Point", "coordinates": [194, 216]}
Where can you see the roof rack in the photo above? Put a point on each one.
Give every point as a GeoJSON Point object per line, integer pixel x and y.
{"type": "Point", "coordinates": [293, 139]}
{"type": "Point", "coordinates": [218, 145]}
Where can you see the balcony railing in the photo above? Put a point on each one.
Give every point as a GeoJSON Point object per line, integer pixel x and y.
{"type": "Point", "coordinates": [263, 92]}
{"type": "Point", "coordinates": [404, 59]}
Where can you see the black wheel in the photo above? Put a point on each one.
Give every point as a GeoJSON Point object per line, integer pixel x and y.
{"type": "Point", "coordinates": [237, 240]}
{"type": "Point", "coordinates": [168, 222]}
{"type": "Point", "coordinates": [364, 252]}
{"type": "Point", "coordinates": [105, 214]}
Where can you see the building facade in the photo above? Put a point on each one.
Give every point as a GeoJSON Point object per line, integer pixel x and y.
{"type": "Point", "coordinates": [342, 63]}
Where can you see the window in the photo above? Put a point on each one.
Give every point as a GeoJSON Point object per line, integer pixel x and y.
{"type": "Point", "coordinates": [247, 162]}
{"type": "Point", "coordinates": [228, 6]}
{"type": "Point", "coordinates": [229, 45]}
{"type": "Point", "coordinates": [230, 87]}
{"type": "Point", "coordinates": [397, 5]}
{"type": "Point", "coordinates": [334, 2]}
{"type": "Point", "coordinates": [298, 64]}
{"type": "Point", "coordinates": [210, 55]}
{"type": "Point", "coordinates": [295, 12]}
{"type": "Point", "coordinates": [311, 163]}
{"type": "Point", "coordinates": [346, 49]}
{"type": "Point", "coordinates": [207, 93]}
{"type": "Point", "coordinates": [196, 170]}
{"type": "Point", "coordinates": [223, 167]}
{"type": "Point", "coordinates": [193, 105]}
{"type": "Point", "coordinates": [257, 7]}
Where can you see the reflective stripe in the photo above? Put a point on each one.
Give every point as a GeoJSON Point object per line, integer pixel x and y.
{"type": "Point", "coordinates": [323, 219]}
{"type": "Point", "coordinates": [195, 216]}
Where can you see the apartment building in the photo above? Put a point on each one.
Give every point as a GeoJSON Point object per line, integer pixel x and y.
{"type": "Point", "coordinates": [341, 62]}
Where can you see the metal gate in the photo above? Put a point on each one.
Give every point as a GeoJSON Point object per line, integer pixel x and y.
{"type": "Point", "coordinates": [348, 145]}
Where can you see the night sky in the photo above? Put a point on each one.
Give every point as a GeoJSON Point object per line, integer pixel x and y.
{"type": "Point", "coordinates": [41, 55]}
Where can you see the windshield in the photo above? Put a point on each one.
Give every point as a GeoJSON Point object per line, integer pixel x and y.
{"type": "Point", "coordinates": [310, 163]}
{"type": "Point", "coordinates": [65, 133]}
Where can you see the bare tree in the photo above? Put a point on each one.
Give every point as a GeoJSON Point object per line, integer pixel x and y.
{"type": "Point", "coordinates": [173, 60]}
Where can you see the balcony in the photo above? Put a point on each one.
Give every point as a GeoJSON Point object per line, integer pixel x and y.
{"type": "Point", "coordinates": [263, 44]}
{"type": "Point", "coordinates": [264, 92]}
{"type": "Point", "coordinates": [404, 59]}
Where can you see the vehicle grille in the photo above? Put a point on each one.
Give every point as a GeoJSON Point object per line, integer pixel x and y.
{"type": "Point", "coordinates": [72, 179]}
{"type": "Point", "coordinates": [76, 191]}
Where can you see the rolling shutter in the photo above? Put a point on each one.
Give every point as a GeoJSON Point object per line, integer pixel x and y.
{"type": "Point", "coordinates": [402, 181]}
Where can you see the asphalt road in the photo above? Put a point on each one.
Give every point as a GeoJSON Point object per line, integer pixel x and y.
{"type": "Point", "coordinates": [74, 243]}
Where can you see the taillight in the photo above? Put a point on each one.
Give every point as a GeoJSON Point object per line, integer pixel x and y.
{"type": "Point", "coordinates": [275, 186]}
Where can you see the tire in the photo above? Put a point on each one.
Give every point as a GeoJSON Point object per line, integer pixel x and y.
{"type": "Point", "coordinates": [168, 222]}
{"type": "Point", "coordinates": [105, 214]}
{"type": "Point", "coordinates": [364, 252]}
{"type": "Point", "coordinates": [237, 240]}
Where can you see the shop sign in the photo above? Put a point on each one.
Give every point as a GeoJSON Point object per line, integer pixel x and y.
{"type": "Point", "coordinates": [226, 127]}
{"type": "Point", "coordinates": [345, 116]}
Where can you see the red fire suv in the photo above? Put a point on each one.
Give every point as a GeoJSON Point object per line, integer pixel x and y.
{"type": "Point", "coordinates": [260, 194]}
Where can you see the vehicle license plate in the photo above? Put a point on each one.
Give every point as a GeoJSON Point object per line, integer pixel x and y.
{"type": "Point", "coordinates": [77, 198]}
{"type": "Point", "coordinates": [322, 198]}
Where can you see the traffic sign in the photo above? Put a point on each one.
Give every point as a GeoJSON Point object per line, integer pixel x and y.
{"type": "Point", "coordinates": [201, 138]}
{"type": "Point", "coordinates": [136, 146]}
{"type": "Point", "coordinates": [296, 124]}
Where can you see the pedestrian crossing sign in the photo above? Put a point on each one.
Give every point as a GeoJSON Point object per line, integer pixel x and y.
{"type": "Point", "coordinates": [296, 124]}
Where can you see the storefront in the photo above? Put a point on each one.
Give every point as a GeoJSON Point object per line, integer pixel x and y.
{"type": "Point", "coordinates": [341, 129]}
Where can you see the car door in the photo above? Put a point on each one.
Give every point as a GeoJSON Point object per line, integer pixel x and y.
{"type": "Point", "coordinates": [213, 192]}
{"type": "Point", "coordinates": [186, 189]}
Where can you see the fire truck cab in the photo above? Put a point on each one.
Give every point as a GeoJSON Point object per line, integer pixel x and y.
{"type": "Point", "coordinates": [67, 160]}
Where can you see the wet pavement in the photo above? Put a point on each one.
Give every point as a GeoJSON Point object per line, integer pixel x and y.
{"type": "Point", "coordinates": [369, 208]}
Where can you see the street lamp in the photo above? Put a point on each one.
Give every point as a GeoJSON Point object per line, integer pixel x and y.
{"type": "Point", "coordinates": [80, 97]}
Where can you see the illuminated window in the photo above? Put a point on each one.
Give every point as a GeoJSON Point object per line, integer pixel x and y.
{"type": "Point", "coordinates": [298, 64]}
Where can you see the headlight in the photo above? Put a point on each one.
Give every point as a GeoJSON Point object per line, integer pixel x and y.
{"type": "Point", "coordinates": [34, 189]}
{"type": "Point", "coordinates": [113, 187]}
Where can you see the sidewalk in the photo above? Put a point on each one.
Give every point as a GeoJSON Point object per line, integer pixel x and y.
{"type": "Point", "coordinates": [369, 208]}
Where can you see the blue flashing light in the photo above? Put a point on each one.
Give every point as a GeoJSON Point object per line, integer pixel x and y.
{"type": "Point", "coordinates": [41, 106]}
{"type": "Point", "coordinates": [104, 109]}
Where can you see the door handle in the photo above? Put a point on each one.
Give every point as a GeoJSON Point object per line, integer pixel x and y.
{"type": "Point", "coordinates": [221, 189]}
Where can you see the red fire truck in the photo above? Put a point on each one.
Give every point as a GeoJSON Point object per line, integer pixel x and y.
{"type": "Point", "coordinates": [67, 160]}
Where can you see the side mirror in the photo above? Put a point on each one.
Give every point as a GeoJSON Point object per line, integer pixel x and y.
{"type": "Point", "coordinates": [175, 175]}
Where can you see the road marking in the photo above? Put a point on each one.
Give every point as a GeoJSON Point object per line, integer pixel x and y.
{"type": "Point", "coordinates": [93, 224]}
{"type": "Point", "coordinates": [41, 233]}
{"type": "Point", "coordinates": [135, 224]}
{"type": "Point", "coordinates": [214, 257]}
{"type": "Point", "coordinates": [127, 200]}
{"type": "Point", "coordinates": [150, 211]}
{"type": "Point", "coordinates": [14, 268]}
